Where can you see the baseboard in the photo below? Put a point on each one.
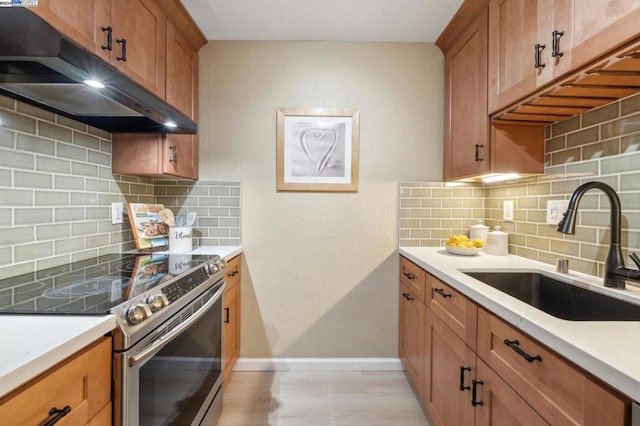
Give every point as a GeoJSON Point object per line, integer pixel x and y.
{"type": "Point", "coordinates": [318, 364]}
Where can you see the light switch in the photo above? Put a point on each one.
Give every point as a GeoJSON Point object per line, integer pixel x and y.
{"type": "Point", "coordinates": [116, 213]}
{"type": "Point", "coordinates": [507, 211]}
{"type": "Point", "coordinates": [555, 209]}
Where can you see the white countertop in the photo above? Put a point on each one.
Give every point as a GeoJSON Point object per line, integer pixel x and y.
{"type": "Point", "coordinates": [609, 350]}
{"type": "Point", "coordinates": [225, 252]}
{"type": "Point", "coordinates": [31, 344]}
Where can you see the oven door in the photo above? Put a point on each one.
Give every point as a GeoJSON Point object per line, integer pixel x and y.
{"type": "Point", "coordinates": [174, 379]}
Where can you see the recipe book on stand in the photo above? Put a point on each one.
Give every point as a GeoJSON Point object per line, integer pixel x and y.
{"type": "Point", "coordinates": [149, 230]}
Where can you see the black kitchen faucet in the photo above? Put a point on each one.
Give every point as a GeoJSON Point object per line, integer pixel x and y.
{"type": "Point", "coordinates": [615, 273]}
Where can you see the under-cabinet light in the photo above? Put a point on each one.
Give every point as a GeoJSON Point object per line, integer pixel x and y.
{"type": "Point", "coordinates": [499, 177]}
{"type": "Point", "coordinates": [170, 124]}
{"type": "Point", "coordinates": [94, 83]}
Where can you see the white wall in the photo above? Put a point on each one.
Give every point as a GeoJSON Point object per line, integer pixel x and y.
{"type": "Point", "coordinates": [320, 277]}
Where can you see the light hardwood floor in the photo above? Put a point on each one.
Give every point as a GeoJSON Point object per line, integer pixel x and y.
{"type": "Point", "coordinates": [303, 398]}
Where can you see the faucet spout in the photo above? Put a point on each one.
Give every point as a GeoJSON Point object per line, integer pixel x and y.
{"type": "Point", "coordinates": [615, 272]}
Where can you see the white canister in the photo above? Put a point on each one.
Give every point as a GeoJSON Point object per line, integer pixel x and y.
{"type": "Point", "coordinates": [180, 239]}
{"type": "Point", "coordinates": [479, 231]}
{"type": "Point", "coordinates": [498, 242]}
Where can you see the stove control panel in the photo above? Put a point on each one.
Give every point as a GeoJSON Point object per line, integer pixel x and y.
{"type": "Point", "coordinates": [157, 299]}
{"type": "Point", "coordinates": [182, 286]}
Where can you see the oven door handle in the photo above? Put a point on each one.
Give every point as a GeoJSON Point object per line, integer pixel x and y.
{"type": "Point", "coordinates": [161, 342]}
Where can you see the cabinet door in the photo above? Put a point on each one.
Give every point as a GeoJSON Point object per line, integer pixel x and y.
{"type": "Point", "coordinates": [80, 20]}
{"type": "Point", "coordinates": [411, 335]}
{"type": "Point", "coordinates": [600, 26]}
{"type": "Point", "coordinates": [231, 331]}
{"type": "Point", "coordinates": [182, 73]}
{"type": "Point", "coordinates": [180, 155]}
{"type": "Point", "coordinates": [143, 25]}
{"type": "Point", "coordinates": [449, 368]}
{"type": "Point", "coordinates": [498, 404]}
{"type": "Point", "coordinates": [513, 35]}
{"type": "Point", "coordinates": [466, 149]}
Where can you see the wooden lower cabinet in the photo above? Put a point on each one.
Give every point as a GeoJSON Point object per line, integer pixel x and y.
{"type": "Point", "coordinates": [497, 404]}
{"type": "Point", "coordinates": [231, 319]}
{"type": "Point", "coordinates": [449, 368]}
{"type": "Point", "coordinates": [483, 378]}
{"type": "Point", "coordinates": [82, 382]}
{"type": "Point", "coordinates": [411, 337]}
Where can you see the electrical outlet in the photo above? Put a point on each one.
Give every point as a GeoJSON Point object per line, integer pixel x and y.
{"type": "Point", "coordinates": [116, 213]}
{"type": "Point", "coordinates": [555, 209]}
{"type": "Point", "coordinates": [507, 211]}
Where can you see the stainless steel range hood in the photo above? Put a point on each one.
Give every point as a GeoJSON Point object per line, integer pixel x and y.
{"type": "Point", "coordinates": [40, 66]}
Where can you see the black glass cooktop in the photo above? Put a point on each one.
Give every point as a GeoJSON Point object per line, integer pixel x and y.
{"type": "Point", "coordinates": [93, 286]}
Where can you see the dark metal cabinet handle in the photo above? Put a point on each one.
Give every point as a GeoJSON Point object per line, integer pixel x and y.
{"type": "Point", "coordinates": [441, 292]}
{"type": "Point", "coordinates": [407, 296]}
{"type": "Point", "coordinates": [478, 146]}
{"type": "Point", "coordinates": [539, 47]}
{"type": "Point", "coordinates": [226, 315]}
{"type": "Point", "coordinates": [474, 392]}
{"type": "Point", "coordinates": [514, 344]}
{"type": "Point", "coordinates": [58, 415]}
{"type": "Point", "coordinates": [409, 275]}
{"type": "Point", "coordinates": [123, 42]}
{"type": "Point", "coordinates": [174, 154]}
{"type": "Point", "coordinates": [232, 273]}
{"type": "Point", "coordinates": [462, 386]}
{"type": "Point", "coordinates": [109, 32]}
{"type": "Point", "coordinates": [555, 43]}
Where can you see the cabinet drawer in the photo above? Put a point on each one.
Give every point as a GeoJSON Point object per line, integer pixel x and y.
{"type": "Point", "coordinates": [82, 382]}
{"type": "Point", "coordinates": [556, 389]}
{"type": "Point", "coordinates": [454, 309]}
{"type": "Point", "coordinates": [414, 277]}
{"type": "Point", "coordinates": [232, 271]}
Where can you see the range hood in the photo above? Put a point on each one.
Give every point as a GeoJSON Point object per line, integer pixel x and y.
{"type": "Point", "coordinates": [40, 66]}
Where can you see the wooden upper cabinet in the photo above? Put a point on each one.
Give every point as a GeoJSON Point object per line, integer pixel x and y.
{"type": "Point", "coordinates": [180, 156]}
{"type": "Point", "coordinates": [601, 26]}
{"type": "Point", "coordinates": [182, 73]}
{"type": "Point", "coordinates": [81, 20]}
{"type": "Point", "coordinates": [466, 147]}
{"type": "Point", "coordinates": [513, 35]}
{"type": "Point", "coordinates": [143, 25]}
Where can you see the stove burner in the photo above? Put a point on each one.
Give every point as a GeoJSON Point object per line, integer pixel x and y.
{"type": "Point", "coordinates": [90, 287]}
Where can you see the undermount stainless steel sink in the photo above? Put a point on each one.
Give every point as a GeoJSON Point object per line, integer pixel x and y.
{"type": "Point", "coordinates": [558, 298]}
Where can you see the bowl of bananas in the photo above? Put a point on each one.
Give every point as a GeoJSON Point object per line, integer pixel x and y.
{"type": "Point", "coordinates": [461, 245]}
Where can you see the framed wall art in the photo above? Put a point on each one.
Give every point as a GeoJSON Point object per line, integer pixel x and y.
{"type": "Point", "coordinates": [317, 149]}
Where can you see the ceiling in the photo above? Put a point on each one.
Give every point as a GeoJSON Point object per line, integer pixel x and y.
{"type": "Point", "coordinates": [328, 20]}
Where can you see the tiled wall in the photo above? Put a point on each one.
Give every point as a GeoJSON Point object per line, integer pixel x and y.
{"type": "Point", "coordinates": [56, 189]}
{"type": "Point", "coordinates": [217, 205]}
{"type": "Point", "coordinates": [603, 145]}
{"type": "Point", "coordinates": [431, 212]}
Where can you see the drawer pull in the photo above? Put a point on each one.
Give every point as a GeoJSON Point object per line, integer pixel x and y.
{"type": "Point", "coordinates": [462, 386]}
{"type": "Point", "coordinates": [123, 42]}
{"type": "Point", "coordinates": [58, 415]}
{"type": "Point", "coordinates": [514, 344]}
{"type": "Point", "coordinates": [232, 274]}
{"type": "Point", "coordinates": [555, 46]}
{"type": "Point", "coordinates": [474, 391]}
{"type": "Point", "coordinates": [441, 292]}
{"type": "Point", "coordinates": [226, 315]}
{"type": "Point", "coordinates": [409, 275]}
{"type": "Point", "coordinates": [538, 48]}
{"type": "Point", "coordinates": [478, 146]}
{"type": "Point", "coordinates": [407, 296]}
